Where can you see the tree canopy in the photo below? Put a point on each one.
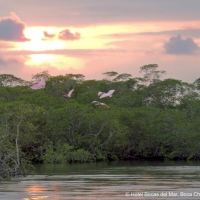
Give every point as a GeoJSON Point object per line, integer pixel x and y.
{"type": "Point", "coordinates": [148, 118]}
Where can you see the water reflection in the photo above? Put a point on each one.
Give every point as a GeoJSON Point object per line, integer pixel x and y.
{"type": "Point", "coordinates": [33, 191]}
{"type": "Point", "coordinates": [36, 198]}
{"type": "Point", "coordinates": [116, 180]}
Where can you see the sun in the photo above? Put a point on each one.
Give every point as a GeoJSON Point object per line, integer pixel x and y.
{"type": "Point", "coordinates": [37, 46]}
{"type": "Point", "coordinates": [37, 40]}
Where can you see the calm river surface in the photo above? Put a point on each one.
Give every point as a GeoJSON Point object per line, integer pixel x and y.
{"type": "Point", "coordinates": [106, 181]}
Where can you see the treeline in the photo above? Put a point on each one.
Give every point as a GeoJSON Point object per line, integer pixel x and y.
{"type": "Point", "coordinates": [147, 118]}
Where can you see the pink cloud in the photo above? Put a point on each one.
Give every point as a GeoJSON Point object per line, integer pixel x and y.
{"type": "Point", "coordinates": [48, 36]}
{"type": "Point", "coordinates": [67, 35]}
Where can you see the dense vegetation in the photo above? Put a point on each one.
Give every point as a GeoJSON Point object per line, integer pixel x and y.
{"type": "Point", "coordinates": [147, 118]}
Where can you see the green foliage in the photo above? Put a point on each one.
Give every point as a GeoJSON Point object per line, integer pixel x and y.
{"type": "Point", "coordinates": [11, 81]}
{"type": "Point", "coordinates": [123, 77]}
{"type": "Point", "coordinates": [110, 74]}
{"type": "Point", "coordinates": [43, 74]}
{"type": "Point", "coordinates": [151, 74]}
{"type": "Point", "coordinates": [156, 120]}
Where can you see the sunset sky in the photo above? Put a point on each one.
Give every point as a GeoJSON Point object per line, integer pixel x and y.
{"type": "Point", "coordinates": [92, 37]}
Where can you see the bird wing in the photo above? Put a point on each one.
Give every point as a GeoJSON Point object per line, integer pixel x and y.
{"type": "Point", "coordinates": [42, 82]}
{"type": "Point", "coordinates": [70, 93]}
{"type": "Point", "coordinates": [110, 92]}
{"type": "Point", "coordinates": [100, 93]}
{"type": "Point", "coordinates": [39, 85]}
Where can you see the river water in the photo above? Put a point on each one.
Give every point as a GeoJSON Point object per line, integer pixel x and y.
{"type": "Point", "coordinates": [107, 181]}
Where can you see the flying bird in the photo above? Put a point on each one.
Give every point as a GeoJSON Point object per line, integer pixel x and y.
{"type": "Point", "coordinates": [68, 95]}
{"type": "Point", "coordinates": [100, 104]}
{"type": "Point", "coordinates": [108, 94]}
{"type": "Point", "coordinates": [39, 85]}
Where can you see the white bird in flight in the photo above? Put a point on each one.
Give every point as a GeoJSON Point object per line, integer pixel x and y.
{"type": "Point", "coordinates": [39, 85]}
{"type": "Point", "coordinates": [108, 94]}
{"type": "Point", "coordinates": [68, 95]}
{"type": "Point", "coordinates": [100, 104]}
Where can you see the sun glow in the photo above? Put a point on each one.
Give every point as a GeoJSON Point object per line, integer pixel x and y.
{"type": "Point", "coordinates": [38, 42]}
{"type": "Point", "coordinates": [46, 49]}
{"type": "Point", "coordinates": [41, 45]}
{"type": "Point", "coordinates": [40, 58]}
{"type": "Point", "coordinates": [58, 61]}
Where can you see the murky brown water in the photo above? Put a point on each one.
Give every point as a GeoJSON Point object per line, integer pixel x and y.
{"type": "Point", "coordinates": [106, 181]}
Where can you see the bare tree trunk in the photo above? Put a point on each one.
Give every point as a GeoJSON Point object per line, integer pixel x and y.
{"type": "Point", "coordinates": [16, 143]}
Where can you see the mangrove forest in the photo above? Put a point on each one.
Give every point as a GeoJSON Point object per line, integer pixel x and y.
{"type": "Point", "coordinates": [147, 117]}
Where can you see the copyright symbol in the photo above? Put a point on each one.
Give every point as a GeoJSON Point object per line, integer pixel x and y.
{"type": "Point", "coordinates": [127, 194]}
